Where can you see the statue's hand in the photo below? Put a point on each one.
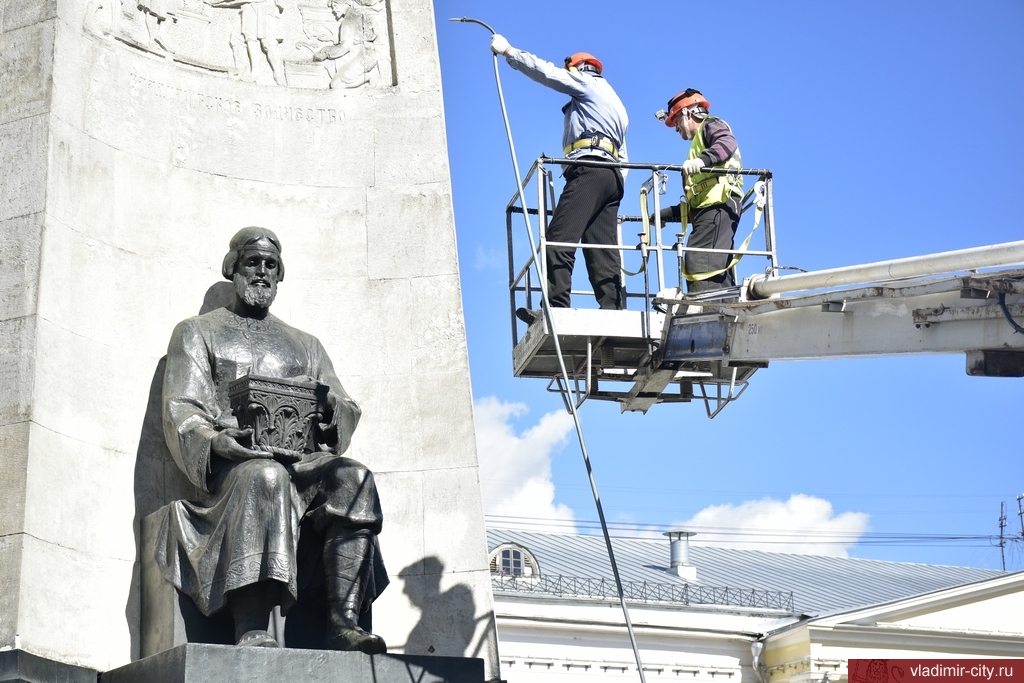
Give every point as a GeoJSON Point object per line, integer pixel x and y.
{"type": "Point", "coordinates": [333, 401]}
{"type": "Point", "coordinates": [329, 430]}
{"type": "Point", "coordinates": [225, 444]}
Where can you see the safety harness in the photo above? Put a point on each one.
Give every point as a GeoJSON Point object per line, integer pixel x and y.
{"type": "Point", "coordinates": [646, 239]}
{"type": "Point", "coordinates": [760, 195]}
{"type": "Point", "coordinates": [709, 189]}
{"type": "Point", "coordinates": [593, 141]}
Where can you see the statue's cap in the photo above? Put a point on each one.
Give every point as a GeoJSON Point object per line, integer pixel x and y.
{"type": "Point", "coordinates": [251, 237]}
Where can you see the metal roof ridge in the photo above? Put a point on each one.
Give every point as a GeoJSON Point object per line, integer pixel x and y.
{"type": "Point", "coordinates": [937, 597]}
{"type": "Point", "coordinates": [698, 547]}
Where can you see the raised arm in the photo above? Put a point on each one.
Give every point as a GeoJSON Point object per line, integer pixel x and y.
{"type": "Point", "coordinates": [546, 73]}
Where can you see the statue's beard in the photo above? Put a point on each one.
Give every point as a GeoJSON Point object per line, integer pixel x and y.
{"type": "Point", "coordinates": [257, 294]}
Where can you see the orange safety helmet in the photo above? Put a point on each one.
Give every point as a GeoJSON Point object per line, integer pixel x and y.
{"type": "Point", "coordinates": [577, 58]}
{"type": "Point", "coordinates": [684, 100]}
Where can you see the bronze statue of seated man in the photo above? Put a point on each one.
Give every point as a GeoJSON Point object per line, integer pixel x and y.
{"type": "Point", "coordinates": [239, 547]}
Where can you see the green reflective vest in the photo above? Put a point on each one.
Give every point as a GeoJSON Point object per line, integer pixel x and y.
{"type": "Point", "coordinates": [708, 189]}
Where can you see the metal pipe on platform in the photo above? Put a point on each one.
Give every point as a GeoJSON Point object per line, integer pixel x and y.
{"type": "Point", "coordinates": [1008, 253]}
{"type": "Point", "coordinates": [596, 163]}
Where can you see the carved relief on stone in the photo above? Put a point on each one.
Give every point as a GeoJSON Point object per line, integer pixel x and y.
{"type": "Point", "coordinates": [343, 44]}
{"type": "Point", "coordinates": [353, 56]}
{"type": "Point", "coordinates": [283, 413]}
{"type": "Point", "coordinates": [258, 36]}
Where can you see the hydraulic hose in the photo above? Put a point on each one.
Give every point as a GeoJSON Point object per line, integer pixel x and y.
{"type": "Point", "coordinates": [1006, 313]}
{"type": "Point", "coordinates": [546, 307]}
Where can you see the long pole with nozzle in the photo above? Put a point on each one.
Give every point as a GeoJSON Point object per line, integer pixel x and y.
{"type": "Point", "coordinates": [546, 306]}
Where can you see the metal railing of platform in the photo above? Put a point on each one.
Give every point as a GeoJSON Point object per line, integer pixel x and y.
{"type": "Point", "coordinates": [655, 268]}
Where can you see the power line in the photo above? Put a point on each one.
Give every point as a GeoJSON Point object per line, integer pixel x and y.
{"type": "Point", "coordinates": [1002, 527]}
{"type": "Point", "coordinates": [1020, 513]}
{"type": "Point", "coordinates": [517, 483]}
{"type": "Point", "coordinates": [768, 536]}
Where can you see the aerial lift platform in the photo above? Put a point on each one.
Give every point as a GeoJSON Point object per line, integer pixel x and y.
{"type": "Point", "coordinates": [671, 347]}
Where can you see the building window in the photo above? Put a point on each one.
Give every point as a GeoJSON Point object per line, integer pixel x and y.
{"type": "Point", "coordinates": [511, 562]}
{"type": "Point", "coordinates": [512, 559]}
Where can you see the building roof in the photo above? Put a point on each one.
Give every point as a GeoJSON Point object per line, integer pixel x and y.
{"type": "Point", "coordinates": [818, 583]}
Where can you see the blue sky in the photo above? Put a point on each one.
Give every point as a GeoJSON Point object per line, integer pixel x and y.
{"type": "Point", "coordinates": [893, 129]}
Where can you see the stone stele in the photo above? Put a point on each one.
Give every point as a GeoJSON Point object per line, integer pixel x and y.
{"type": "Point", "coordinates": [135, 139]}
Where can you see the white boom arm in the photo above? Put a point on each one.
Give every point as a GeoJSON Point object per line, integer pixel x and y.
{"type": "Point", "coordinates": [1010, 253]}
{"type": "Point", "coordinates": [944, 315]}
{"type": "Point", "coordinates": [936, 303]}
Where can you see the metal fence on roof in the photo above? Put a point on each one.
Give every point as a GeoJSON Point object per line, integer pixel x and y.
{"type": "Point", "coordinates": [644, 591]}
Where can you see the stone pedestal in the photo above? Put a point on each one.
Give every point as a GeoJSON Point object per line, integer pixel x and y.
{"type": "Point", "coordinates": [225, 663]}
{"type": "Point", "coordinates": [17, 666]}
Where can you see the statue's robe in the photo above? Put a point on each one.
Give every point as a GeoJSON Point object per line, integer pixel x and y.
{"type": "Point", "coordinates": [247, 526]}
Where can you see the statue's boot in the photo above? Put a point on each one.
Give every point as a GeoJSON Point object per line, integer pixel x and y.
{"type": "Point", "coordinates": [257, 638]}
{"type": "Point", "coordinates": [251, 607]}
{"type": "Point", "coordinates": [348, 561]}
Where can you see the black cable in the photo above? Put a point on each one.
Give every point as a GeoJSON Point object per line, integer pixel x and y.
{"type": "Point", "coordinates": [1006, 312]}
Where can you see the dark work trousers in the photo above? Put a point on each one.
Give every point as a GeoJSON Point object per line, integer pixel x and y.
{"type": "Point", "coordinates": [714, 227]}
{"type": "Point", "coordinates": [587, 211]}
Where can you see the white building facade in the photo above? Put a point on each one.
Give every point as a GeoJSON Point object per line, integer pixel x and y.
{"type": "Point", "coordinates": [733, 615]}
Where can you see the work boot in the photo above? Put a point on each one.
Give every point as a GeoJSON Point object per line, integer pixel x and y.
{"type": "Point", "coordinates": [348, 561]}
{"type": "Point", "coordinates": [528, 315]}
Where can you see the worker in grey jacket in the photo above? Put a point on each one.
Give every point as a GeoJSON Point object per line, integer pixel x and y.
{"type": "Point", "coordinates": [595, 128]}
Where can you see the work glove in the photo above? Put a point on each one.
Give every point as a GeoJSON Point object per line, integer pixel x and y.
{"type": "Point", "coordinates": [498, 44]}
{"type": "Point", "coordinates": [691, 166]}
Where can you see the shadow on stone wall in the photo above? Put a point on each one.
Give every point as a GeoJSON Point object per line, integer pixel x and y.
{"type": "Point", "coordinates": [158, 481]}
{"type": "Point", "coordinates": [448, 624]}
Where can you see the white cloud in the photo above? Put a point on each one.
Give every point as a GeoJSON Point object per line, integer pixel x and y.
{"type": "Point", "coordinates": [488, 259]}
{"type": "Point", "coordinates": [515, 469]}
{"type": "Point", "coordinates": [803, 524]}
{"type": "Point", "coordinates": [515, 476]}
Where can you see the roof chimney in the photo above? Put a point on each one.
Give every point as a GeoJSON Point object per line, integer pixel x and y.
{"type": "Point", "coordinates": [680, 554]}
